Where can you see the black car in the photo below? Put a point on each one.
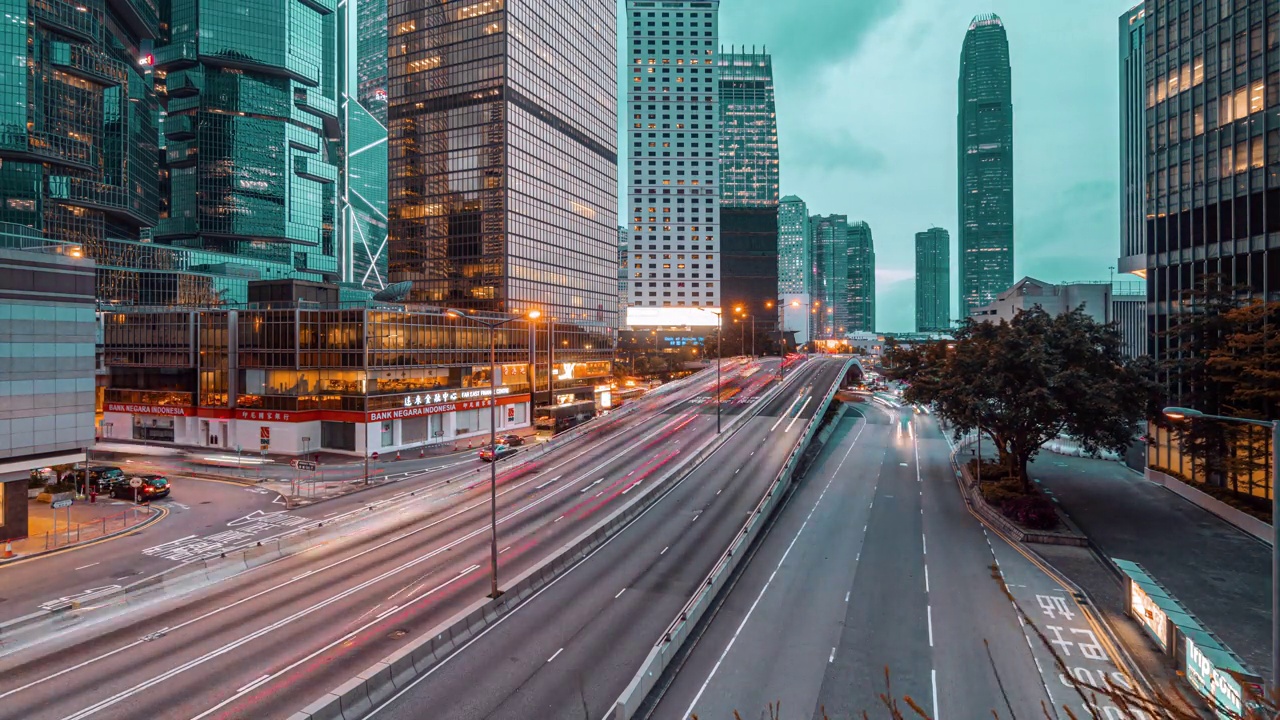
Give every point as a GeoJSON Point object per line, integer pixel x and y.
{"type": "Point", "coordinates": [102, 478]}
{"type": "Point", "coordinates": [153, 487]}
{"type": "Point", "coordinates": [513, 440]}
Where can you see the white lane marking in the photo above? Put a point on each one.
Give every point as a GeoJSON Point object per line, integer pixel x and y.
{"type": "Point", "coordinates": [305, 574]}
{"type": "Point", "coordinates": [557, 654]}
{"type": "Point", "coordinates": [335, 512]}
{"type": "Point", "coordinates": [903, 464]}
{"type": "Point", "coordinates": [832, 658]}
{"type": "Point", "coordinates": [254, 684]}
{"type": "Point", "coordinates": [594, 484]}
{"type": "Point", "coordinates": [386, 612]}
{"type": "Point", "coordinates": [765, 589]}
{"type": "Point", "coordinates": [924, 544]}
{"type": "Point", "coordinates": [615, 597]}
{"type": "Point", "coordinates": [784, 415]}
{"type": "Point", "coordinates": [504, 549]}
{"type": "Point", "coordinates": [720, 491]}
{"type": "Point", "coordinates": [929, 611]}
{"type": "Point", "coordinates": [89, 565]}
{"type": "Point", "coordinates": [926, 578]}
{"type": "Point", "coordinates": [553, 522]}
{"type": "Point", "coordinates": [664, 550]}
{"type": "Point", "coordinates": [934, 681]}
{"type": "Point", "coordinates": [798, 413]}
{"type": "Point", "coordinates": [846, 596]}
{"type": "Point", "coordinates": [539, 487]}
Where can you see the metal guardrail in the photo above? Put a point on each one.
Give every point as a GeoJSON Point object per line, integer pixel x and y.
{"type": "Point", "coordinates": [678, 631]}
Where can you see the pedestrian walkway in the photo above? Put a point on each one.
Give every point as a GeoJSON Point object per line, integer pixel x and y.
{"type": "Point", "coordinates": [1220, 573]}
{"type": "Point", "coordinates": [49, 529]}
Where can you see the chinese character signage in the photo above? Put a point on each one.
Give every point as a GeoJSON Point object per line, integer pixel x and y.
{"type": "Point", "coordinates": [279, 415]}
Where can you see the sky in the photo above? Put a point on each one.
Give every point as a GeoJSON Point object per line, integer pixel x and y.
{"type": "Point", "coordinates": [866, 104]}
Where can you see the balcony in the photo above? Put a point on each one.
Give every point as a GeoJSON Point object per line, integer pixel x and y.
{"type": "Point", "coordinates": [310, 100]}
{"type": "Point", "coordinates": [67, 19]}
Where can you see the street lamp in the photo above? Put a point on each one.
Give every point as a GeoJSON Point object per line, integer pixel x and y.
{"type": "Point", "coordinates": [1181, 413]}
{"type": "Point", "coordinates": [491, 324]}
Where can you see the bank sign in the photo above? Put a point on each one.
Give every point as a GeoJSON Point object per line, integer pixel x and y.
{"type": "Point", "coordinates": [1214, 683]}
{"type": "Point", "coordinates": [433, 408]}
{"type": "Point", "coordinates": [138, 409]}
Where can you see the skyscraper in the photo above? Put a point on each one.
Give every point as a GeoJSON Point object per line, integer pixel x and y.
{"type": "Point", "coordinates": [1133, 172]}
{"type": "Point", "coordinates": [503, 161]}
{"type": "Point", "coordinates": [795, 267]}
{"type": "Point", "coordinates": [861, 288]}
{"type": "Point", "coordinates": [748, 184]}
{"type": "Point", "coordinates": [363, 174]}
{"type": "Point", "coordinates": [1210, 200]}
{"type": "Point", "coordinates": [674, 132]}
{"type": "Point", "coordinates": [985, 164]}
{"type": "Point", "coordinates": [251, 149]}
{"type": "Point", "coordinates": [933, 280]}
{"type": "Point", "coordinates": [624, 272]}
{"type": "Point", "coordinates": [831, 275]}
{"type": "Point", "coordinates": [77, 125]}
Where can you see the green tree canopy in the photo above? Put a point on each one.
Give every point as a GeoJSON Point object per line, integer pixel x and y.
{"type": "Point", "coordinates": [1027, 381]}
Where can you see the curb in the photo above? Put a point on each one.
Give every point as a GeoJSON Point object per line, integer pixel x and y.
{"type": "Point", "coordinates": [358, 697]}
{"type": "Point", "coordinates": [159, 515]}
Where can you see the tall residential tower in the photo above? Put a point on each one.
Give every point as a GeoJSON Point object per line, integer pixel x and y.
{"type": "Point", "coordinates": [861, 287]}
{"type": "Point", "coordinates": [795, 267]}
{"type": "Point", "coordinates": [831, 275]}
{"type": "Point", "coordinates": [933, 280]}
{"type": "Point", "coordinates": [503, 161]}
{"type": "Point", "coordinates": [673, 121]}
{"type": "Point", "coordinates": [985, 164]}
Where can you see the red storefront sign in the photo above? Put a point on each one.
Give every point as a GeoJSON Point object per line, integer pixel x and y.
{"type": "Point", "coordinates": [419, 410]}
{"type": "Point", "coordinates": [138, 409]}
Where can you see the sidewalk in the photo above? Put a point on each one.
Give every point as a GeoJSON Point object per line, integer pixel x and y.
{"type": "Point", "coordinates": [89, 521]}
{"type": "Point", "coordinates": [1220, 573]}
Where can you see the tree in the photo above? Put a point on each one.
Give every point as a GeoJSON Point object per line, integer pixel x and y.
{"type": "Point", "coordinates": [1027, 381]}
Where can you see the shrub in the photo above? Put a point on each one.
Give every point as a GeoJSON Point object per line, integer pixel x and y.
{"type": "Point", "coordinates": [1034, 512]}
{"type": "Point", "coordinates": [999, 492]}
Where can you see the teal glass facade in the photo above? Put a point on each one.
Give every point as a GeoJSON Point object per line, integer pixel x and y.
{"type": "Point", "coordinates": [985, 164]}
{"type": "Point", "coordinates": [861, 284]}
{"type": "Point", "coordinates": [748, 130]}
{"type": "Point", "coordinates": [371, 57]}
{"type": "Point", "coordinates": [933, 280]}
{"type": "Point", "coordinates": [831, 275]}
{"type": "Point", "coordinates": [795, 249]}
{"type": "Point", "coordinates": [77, 122]}
{"type": "Point", "coordinates": [251, 141]}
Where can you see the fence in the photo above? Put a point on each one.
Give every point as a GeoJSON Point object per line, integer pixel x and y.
{"type": "Point", "coordinates": [77, 532]}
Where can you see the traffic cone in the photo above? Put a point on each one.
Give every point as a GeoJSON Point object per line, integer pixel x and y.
{"type": "Point", "coordinates": [8, 550]}
{"type": "Point", "coordinates": [422, 452]}
{"type": "Point", "coordinates": [397, 455]}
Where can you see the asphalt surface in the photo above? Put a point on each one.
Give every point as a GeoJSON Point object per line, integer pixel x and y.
{"type": "Point", "coordinates": [267, 642]}
{"type": "Point", "coordinates": [571, 649]}
{"type": "Point", "coordinates": [874, 565]}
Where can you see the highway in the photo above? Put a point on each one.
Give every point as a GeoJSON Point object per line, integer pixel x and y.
{"type": "Point", "coordinates": [265, 643]}
{"type": "Point", "coordinates": [875, 563]}
{"type": "Point", "coordinates": [572, 648]}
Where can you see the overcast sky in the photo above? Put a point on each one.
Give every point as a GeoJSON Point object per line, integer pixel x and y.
{"type": "Point", "coordinates": [866, 100]}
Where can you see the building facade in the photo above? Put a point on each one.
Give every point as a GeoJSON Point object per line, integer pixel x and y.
{"type": "Point", "coordinates": [933, 281]}
{"type": "Point", "coordinates": [624, 273]}
{"type": "Point", "coordinates": [1102, 301]}
{"type": "Point", "coordinates": [985, 164]}
{"type": "Point", "coordinates": [47, 393]}
{"type": "Point", "coordinates": [363, 170]}
{"type": "Point", "coordinates": [1212, 177]}
{"type": "Point", "coordinates": [78, 110]}
{"type": "Point", "coordinates": [674, 134]}
{"type": "Point", "coordinates": [830, 307]}
{"type": "Point", "coordinates": [795, 267]}
{"type": "Point", "coordinates": [503, 161]}
{"type": "Point", "coordinates": [1133, 169]}
{"type": "Point", "coordinates": [861, 286]}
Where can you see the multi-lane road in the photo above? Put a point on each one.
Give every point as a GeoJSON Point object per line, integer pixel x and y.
{"type": "Point", "coordinates": [875, 564]}
{"type": "Point", "coordinates": [266, 642]}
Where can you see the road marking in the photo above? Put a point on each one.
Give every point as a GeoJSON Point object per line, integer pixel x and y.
{"type": "Point", "coordinates": [924, 543]}
{"type": "Point", "coordinates": [720, 491]}
{"type": "Point", "coordinates": [386, 612]}
{"type": "Point", "coordinates": [89, 565]}
{"type": "Point", "coordinates": [539, 487]}
{"type": "Point", "coordinates": [305, 574]}
{"type": "Point", "coordinates": [595, 484]}
{"type": "Point", "coordinates": [504, 549]}
{"type": "Point", "coordinates": [926, 578]}
{"type": "Point", "coordinates": [696, 516]}
{"type": "Point", "coordinates": [335, 512]}
{"type": "Point", "coordinates": [557, 654]}
{"type": "Point", "coordinates": [934, 681]}
{"type": "Point", "coordinates": [553, 522]}
{"type": "Point", "coordinates": [846, 596]}
{"type": "Point", "coordinates": [784, 415]}
{"type": "Point", "coordinates": [735, 472]}
{"type": "Point", "coordinates": [615, 597]}
{"type": "Point", "coordinates": [798, 412]}
{"type": "Point", "coordinates": [664, 550]}
{"type": "Point", "coordinates": [599, 493]}
{"type": "Point", "coordinates": [255, 683]}
{"type": "Point", "coordinates": [832, 658]}
{"type": "Point", "coordinates": [929, 610]}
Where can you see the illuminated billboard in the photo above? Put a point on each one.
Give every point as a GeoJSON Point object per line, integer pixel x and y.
{"type": "Point", "coordinates": [673, 317]}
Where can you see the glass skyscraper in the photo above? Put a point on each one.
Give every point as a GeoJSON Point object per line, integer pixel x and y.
{"type": "Point", "coordinates": [933, 280]}
{"type": "Point", "coordinates": [363, 172]}
{"type": "Point", "coordinates": [795, 267]}
{"type": "Point", "coordinates": [503, 161]}
{"type": "Point", "coordinates": [831, 275]}
{"type": "Point", "coordinates": [78, 154]}
{"type": "Point", "coordinates": [1133, 173]}
{"type": "Point", "coordinates": [861, 286]}
{"type": "Point", "coordinates": [673, 115]}
{"type": "Point", "coordinates": [985, 164]}
{"type": "Point", "coordinates": [371, 56]}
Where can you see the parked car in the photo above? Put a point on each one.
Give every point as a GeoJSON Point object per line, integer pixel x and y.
{"type": "Point", "coordinates": [102, 478]}
{"type": "Point", "coordinates": [512, 440]}
{"type": "Point", "coordinates": [153, 487]}
{"type": "Point", "coordinates": [493, 453]}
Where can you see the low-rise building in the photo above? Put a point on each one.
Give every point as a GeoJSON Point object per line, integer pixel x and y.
{"type": "Point", "coordinates": [1102, 301]}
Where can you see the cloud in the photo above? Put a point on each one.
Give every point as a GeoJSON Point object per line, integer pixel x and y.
{"type": "Point", "coordinates": [807, 33]}
{"type": "Point", "coordinates": [836, 150]}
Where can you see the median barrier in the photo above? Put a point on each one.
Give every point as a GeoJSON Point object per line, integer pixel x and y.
{"type": "Point", "coordinates": [450, 636]}
{"type": "Point", "coordinates": [671, 641]}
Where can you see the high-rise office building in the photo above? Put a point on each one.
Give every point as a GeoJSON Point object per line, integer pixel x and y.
{"type": "Point", "coordinates": [674, 134]}
{"type": "Point", "coordinates": [503, 162]}
{"type": "Point", "coordinates": [933, 280]}
{"type": "Point", "coordinates": [748, 185]}
{"type": "Point", "coordinates": [624, 272]}
{"type": "Point", "coordinates": [985, 164]}
{"type": "Point", "coordinates": [795, 267]}
{"type": "Point", "coordinates": [362, 177]}
{"type": "Point", "coordinates": [830, 307]}
{"type": "Point", "coordinates": [251, 144]}
{"type": "Point", "coordinates": [78, 155]}
{"type": "Point", "coordinates": [1212, 208]}
{"type": "Point", "coordinates": [861, 289]}
{"type": "Point", "coordinates": [1133, 172]}
{"type": "Point", "coordinates": [371, 56]}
